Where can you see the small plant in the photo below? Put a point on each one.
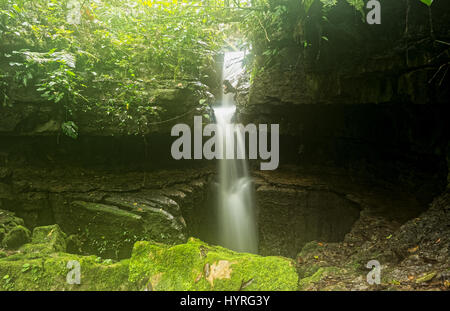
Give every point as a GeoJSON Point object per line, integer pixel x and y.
{"type": "Point", "coordinates": [26, 267]}
{"type": "Point", "coordinates": [70, 129]}
{"type": "Point", "coordinates": [8, 284]}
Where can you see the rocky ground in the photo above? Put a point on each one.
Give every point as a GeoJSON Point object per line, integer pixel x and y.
{"type": "Point", "coordinates": [412, 256]}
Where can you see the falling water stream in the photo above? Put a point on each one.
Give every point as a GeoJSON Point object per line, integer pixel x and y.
{"type": "Point", "coordinates": [237, 225]}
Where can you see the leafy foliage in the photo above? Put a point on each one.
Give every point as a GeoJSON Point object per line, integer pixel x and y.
{"type": "Point", "coordinates": [88, 53]}
{"type": "Point", "coordinates": [270, 27]}
{"type": "Point", "coordinates": [70, 129]}
{"type": "Point", "coordinates": [427, 2]}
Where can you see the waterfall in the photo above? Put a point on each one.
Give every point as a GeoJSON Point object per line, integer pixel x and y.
{"type": "Point", "coordinates": [237, 224]}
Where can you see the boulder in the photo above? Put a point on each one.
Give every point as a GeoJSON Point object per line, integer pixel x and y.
{"type": "Point", "coordinates": [49, 273]}
{"type": "Point", "coordinates": [12, 232]}
{"type": "Point", "coordinates": [110, 230]}
{"type": "Point", "coordinates": [16, 237]}
{"type": "Point", "coordinates": [199, 266]}
{"type": "Point", "coordinates": [47, 239]}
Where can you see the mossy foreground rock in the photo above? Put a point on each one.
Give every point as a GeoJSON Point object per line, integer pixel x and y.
{"type": "Point", "coordinates": [153, 266]}
{"type": "Point", "coordinates": [16, 237]}
{"type": "Point", "coordinates": [198, 266]}
{"type": "Point", "coordinates": [43, 265]}
{"type": "Point", "coordinates": [51, 272]}
{"type": "Point", "coordinates": [46, 239]}
{"type": "Point", "coordinates": [12, 232]}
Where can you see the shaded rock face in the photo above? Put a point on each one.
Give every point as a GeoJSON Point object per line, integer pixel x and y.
{"type": "Point", "coordinates": [288, 218]}
{"type": "Point", "coordinates": [105, 213]}
{"type": "Point", "coordinates": [371, 97]}
{"type": "Point", "coordinates": [358, 63]}
{"type": "Point", "coordinates": [296, 206]}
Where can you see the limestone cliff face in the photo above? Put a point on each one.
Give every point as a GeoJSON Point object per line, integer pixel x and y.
{"type": "Point", "coordinates": [368, 97]}
{"type": "Point", "coordinates": [348, 61]}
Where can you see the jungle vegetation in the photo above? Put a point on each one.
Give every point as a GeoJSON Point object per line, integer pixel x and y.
{"type": "Point", "coordinates": [69, 50]}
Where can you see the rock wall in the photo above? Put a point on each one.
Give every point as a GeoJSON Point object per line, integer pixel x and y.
{"type": "Point", "coordinates": [370, 98]}
{"type": "Point", "coordinates": [296, 206]}
{"type": "Point", "coordinates": [104, 213]}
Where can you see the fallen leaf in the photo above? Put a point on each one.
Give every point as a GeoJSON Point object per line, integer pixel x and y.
{"type": "Point", "coordinates": [320, 244]}
{"type": "Point", "coordinates": [413, 249]}
{"type": "Point", "coordinates": [447, 283]}
{"type": "Point", "coordinates": [438, 241]}
{"type": "Point", "coordinates": [427, 277]}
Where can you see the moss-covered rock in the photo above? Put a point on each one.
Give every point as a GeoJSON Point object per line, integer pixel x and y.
{"type": "Point", "coordinates": [74, 244]}
{"type": "Point", "coordinates": [52, 236]}
{"type": "Point", "coordinates": [307, 282]}
{"type": "Point", "coordinates": [153, 266]}
{"type": "Point", "coordinates": [16, 237]}
{"type": "Point", "coordinates": [8, 221]}
{"type": "Point", "coordinates": [45, 240]}
{"type": "Point", "coordinates": [50, 273]}
{"type": "Point", "coordinates": [110, 230]}
{"type": "Point", "coordinates": [198, 266]}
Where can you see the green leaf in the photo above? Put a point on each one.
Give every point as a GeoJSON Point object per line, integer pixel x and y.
{"type": "Point", "coordinates": [307, 4]}
{"type": "Point", "coordinates": [358, 5]}
{"type": "Point", "coordinates": [427, 2]}
{"type": "Point", "coordinates": [70, 129]}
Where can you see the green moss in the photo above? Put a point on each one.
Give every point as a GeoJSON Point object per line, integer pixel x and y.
{"type": "Point", "coordinates": [107, 231]}
{"type": "Point", "coordinates": [307, 282]}
{"type": "Point", "coordinates": [52, 236]}
{"type": "Point", "coordinates": [40, 265]}
{"type": "Point", "coordinates": [50, 273]}
{"type": "Point", "coordinates": [198, 266]}
{"type": "Point", "coordinates": [309, 248]}
{"type": "Point", "coordinates": [153, 266]}
{"type": "Point", "coordinates": [16, 237]}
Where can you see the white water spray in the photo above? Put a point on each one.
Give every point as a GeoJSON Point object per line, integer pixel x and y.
{"type": "Point", "coordinates": [237, 224]}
